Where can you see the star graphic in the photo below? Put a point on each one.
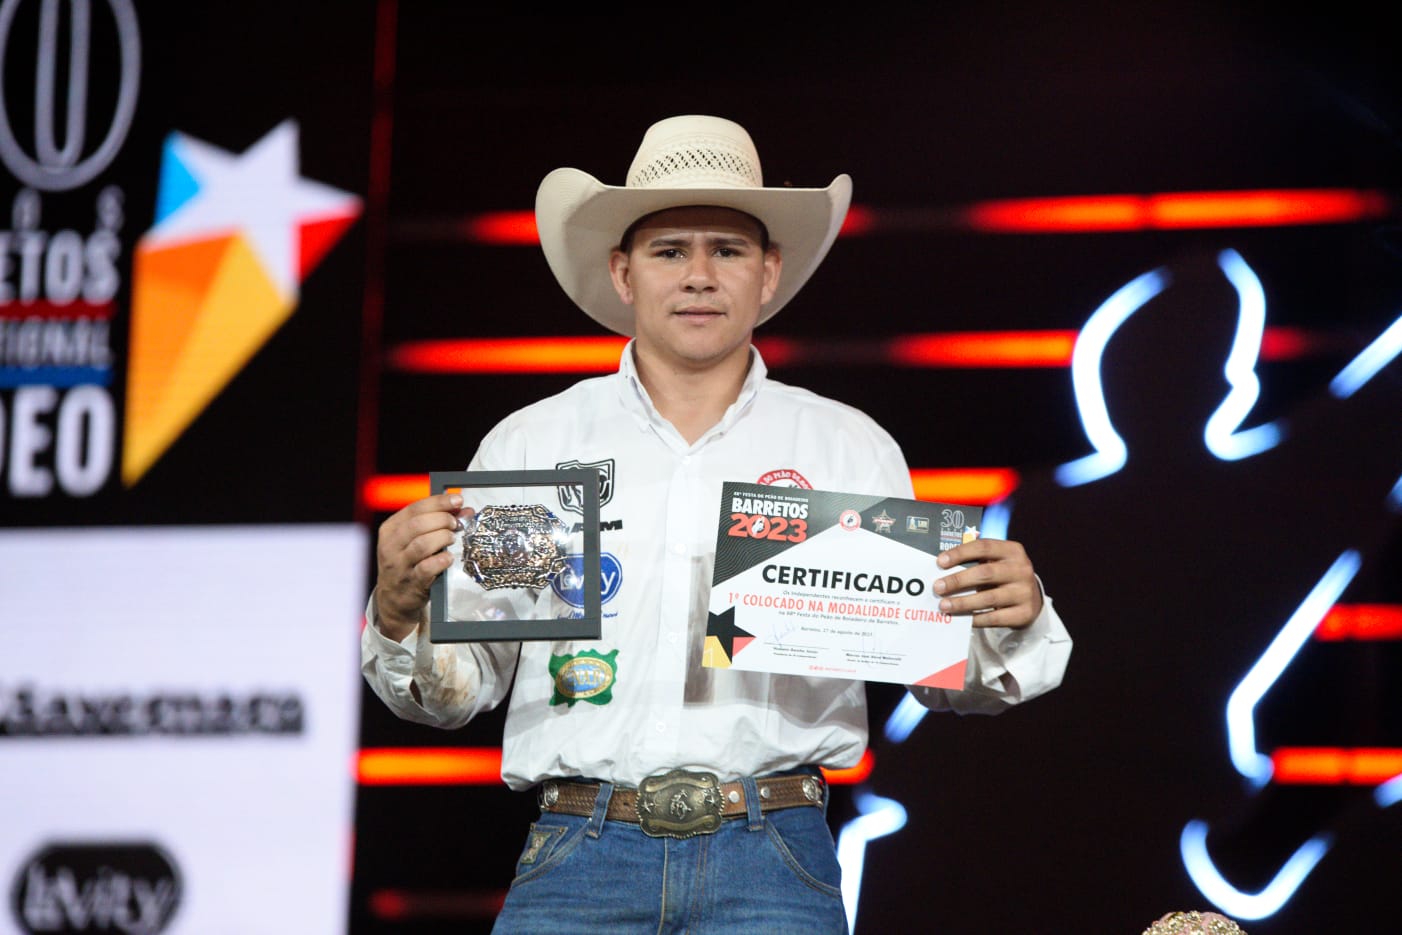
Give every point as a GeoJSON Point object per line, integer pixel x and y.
{"type": "Point", "coordinates": [216, 276]}
{"type": "Point", "coordinates": [259, 193]}
{"type": "Point", "coordinates": [722, 627]}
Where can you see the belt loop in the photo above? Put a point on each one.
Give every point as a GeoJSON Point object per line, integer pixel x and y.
{"type": "Point", "coordinates": [752, 809]}
{"type": "Point", "coordinates": [601, 808]}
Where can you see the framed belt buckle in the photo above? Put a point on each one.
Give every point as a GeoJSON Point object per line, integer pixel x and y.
{"type": "Point", "coordinates": [680, 804]}
{"type": "Point", "coordinates": [515, 546]}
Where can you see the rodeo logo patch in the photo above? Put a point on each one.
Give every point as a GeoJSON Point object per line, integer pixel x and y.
{"type": "Point", "coordinates": [588, 676]}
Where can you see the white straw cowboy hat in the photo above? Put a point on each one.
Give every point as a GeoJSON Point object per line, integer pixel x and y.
{"type": "Point", "coordinates": [682, 161]}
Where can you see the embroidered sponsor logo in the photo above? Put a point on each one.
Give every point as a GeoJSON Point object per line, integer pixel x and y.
{"type": "Point", "coordinates": [605, 525]}
{"type": "Point", "coordinates": [588, 676]}
{"type": "Point", "coordinates": [571, 498]}
{"type": "Point", "coordinates": [569, 583]}
{"type": "Point", "coordinates": [784, 477]}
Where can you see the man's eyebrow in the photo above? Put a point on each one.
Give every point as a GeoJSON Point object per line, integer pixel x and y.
{"type": "Point", "coordinates": [685, 240]}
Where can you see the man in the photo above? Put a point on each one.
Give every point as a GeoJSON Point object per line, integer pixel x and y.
{"type": "Point", "coordinates": [687, 258]}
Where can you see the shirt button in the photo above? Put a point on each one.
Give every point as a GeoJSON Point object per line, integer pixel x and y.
{"type": "Point", "coordinates": [678, 548]}
{"type": "Point", "coordinates": [661, 727]}
{"type": "Point", "coordinates": [1010, 644]}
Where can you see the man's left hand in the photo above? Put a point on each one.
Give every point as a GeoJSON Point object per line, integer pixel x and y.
{"type": "Point", "coordinates": [1005, 591]}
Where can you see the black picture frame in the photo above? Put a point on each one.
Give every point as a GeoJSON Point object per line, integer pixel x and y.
{"type": "Point", "coordinates": [443, 629]}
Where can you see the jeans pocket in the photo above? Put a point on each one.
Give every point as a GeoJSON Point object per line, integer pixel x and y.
{"type": "Point", "coordinates": [804, 842]}
{"type": "Point", "coordinates": [547, 844]}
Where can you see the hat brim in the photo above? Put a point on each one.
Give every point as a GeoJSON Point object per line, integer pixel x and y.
{"type": "Point", "coordinates": [580, 220]}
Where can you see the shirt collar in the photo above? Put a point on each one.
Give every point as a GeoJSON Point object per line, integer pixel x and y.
{"type": "Point", "coordinates": [636, 401]}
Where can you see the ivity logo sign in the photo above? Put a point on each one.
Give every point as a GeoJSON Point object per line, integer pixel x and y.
{"type": "Point", "coordinates": [127, 887]}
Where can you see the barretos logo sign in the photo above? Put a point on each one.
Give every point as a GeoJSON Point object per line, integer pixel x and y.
{"type": "Point", "coordinates": [212, 280]}
{"type": "Point", "coordinates": [128, 888]}
{"type": "Point", "coordinates": [44, 164]}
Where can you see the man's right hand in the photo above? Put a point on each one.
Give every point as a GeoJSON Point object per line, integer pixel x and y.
{"type": "Point", "coordinates": [411, 553]}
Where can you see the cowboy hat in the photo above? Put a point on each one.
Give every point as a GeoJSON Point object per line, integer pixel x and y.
{"type": "Point", "coordinates": [682, 161]}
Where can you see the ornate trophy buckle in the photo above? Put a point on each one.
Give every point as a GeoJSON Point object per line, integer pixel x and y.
{"type": "Point", "coordinates": [680, 804]}
{"type": "Point", "coordinates": [515, 546]}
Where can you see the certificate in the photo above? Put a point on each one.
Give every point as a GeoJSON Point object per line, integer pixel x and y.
{"type": "Point", "coordinates": [817, 583]}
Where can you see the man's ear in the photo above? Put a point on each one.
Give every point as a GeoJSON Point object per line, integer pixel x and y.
{"type": "Point", "coordinates": [773, 267]}
{"type": "Point", "coordinates": [618, 272]}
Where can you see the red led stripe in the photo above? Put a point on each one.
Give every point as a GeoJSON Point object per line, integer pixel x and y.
{"type": "Point", "coordinates": [968, 349]}
{"type": "Point", "coordinates": [1352, 766]}
{"type": "Point", "coordinates": [979, 486]}
{"type": "Point", "coordinates": [984, 349]}
{"type": "Point", "coordinates": [385, 493]}
{"type": "Point", "coordinates": [429, 766]}
{"type": "Point", "coordinates": [852, 774]}
{"type": "Point", "coordinates": [1361, 622]}
{"type": "Point", "coordinates": [394, 905]}
{"type": "Point", "coordinates": [1177, 211]}
{"type": "Point", "coordinates": [509, 355]}
{"type": "Point", "coordinates": [502, 229]}
{"type": "Point", "coordinates": [1266, 207]}
{"type": "Point", "coordinates": [481, 766]}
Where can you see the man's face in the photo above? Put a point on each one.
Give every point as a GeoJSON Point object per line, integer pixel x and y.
{"type": "Point", "coordinates": [696, 279]}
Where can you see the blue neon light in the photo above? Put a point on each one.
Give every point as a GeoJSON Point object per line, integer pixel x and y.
{"type": "Point", "coordinates": [1240, 369]}
{"type": "Point", "coordinates": [1220, 433]}
{"type": "Point", "coordinates": [1193, 846]}
{"type": "Point", "coordinates": [904, 719]}
{"type": "Point", "coordinates": [1371, 359]}
{"type": "Point", "coordinates": [1241, 706]}
{"type": "Point", "coordinates": [879, 817]}
{"type": "Point", "coordinates": [1389, 793]}
{"type": "Point", "coordinates": [995, 520]}
{"type": "Point", "coordinates": [1110, 451]}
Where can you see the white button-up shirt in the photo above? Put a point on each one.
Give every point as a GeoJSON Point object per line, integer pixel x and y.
{"type": "Point", "coordinates": [663, 709]}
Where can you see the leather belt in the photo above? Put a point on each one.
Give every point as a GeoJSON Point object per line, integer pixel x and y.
{"type": "Point", "coordinates": [681, 804]}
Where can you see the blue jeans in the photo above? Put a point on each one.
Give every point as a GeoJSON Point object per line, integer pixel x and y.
{"type": "Point", "coordinates": [774, 873]}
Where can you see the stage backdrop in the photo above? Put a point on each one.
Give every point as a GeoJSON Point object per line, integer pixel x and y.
{"type": "Point", "coordinates": [1128, 278]}
{"type": "Point", "coordinates": [181, 574]}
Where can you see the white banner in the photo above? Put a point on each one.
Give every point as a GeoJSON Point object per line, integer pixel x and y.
{"type": "Point", "coordinates": [179, 711]}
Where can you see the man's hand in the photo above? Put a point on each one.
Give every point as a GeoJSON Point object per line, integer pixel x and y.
{"type": "Point", "coordinates": [410, 554]}
{"type": "Point", "coordinates": [1006, 593]}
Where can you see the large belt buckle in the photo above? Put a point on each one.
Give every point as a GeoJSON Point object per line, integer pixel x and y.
{"type": "Point", "coordinates": [515, 546]}
{"type": "Point", "coordinates": [680, 804]}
